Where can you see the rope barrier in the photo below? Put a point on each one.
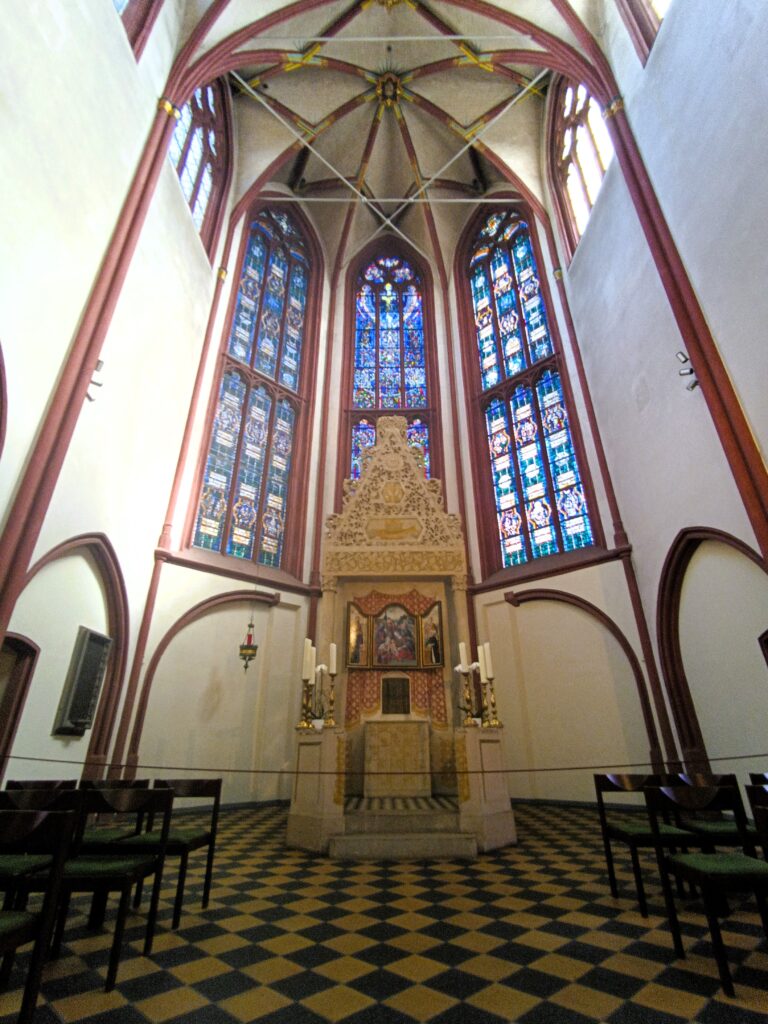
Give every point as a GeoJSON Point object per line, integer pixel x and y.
{"type": "Point", "coordinates": [355, 774]}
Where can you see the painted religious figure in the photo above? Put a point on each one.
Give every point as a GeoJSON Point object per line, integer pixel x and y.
{"type": "Point", "coordinates": [394, 637]}
{"type": "Point", "coordinates": [431, 637]}
{"type": "Point", "coordinates": [358, 647]}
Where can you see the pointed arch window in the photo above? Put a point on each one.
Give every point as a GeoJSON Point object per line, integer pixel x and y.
{"type": "Point", "coordinates": [390, 360]}
{"type": "Point", "coordinates": [643, 19]}
{"type": "Point", "coordinates": [246, 497]}
{"type": "Point", "coordinates": [138, 17]}
{"type": "Point", "coordinates": [580, 153]}
{"type": "Point", "coordinates": [539, 496]}
{"type": "Point", "coordinates": [199, 151]}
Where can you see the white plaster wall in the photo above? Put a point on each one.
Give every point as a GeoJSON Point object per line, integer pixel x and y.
{"type": "Point", "coordinates": [565, 691]}
{"type": "Point", "coordinates": [72, 133]}
{"type": "Point", "coordinates": [63, 596]}
{"type": "Point", "coordinates": [205, 714]}
{"type": "Point", "coordinates": [723, 610]}
{"type": "Point", "coordinates": [667, 464]}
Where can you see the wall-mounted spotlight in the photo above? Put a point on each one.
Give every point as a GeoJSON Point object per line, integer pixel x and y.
{"type": "Point", "coordinates": [687, 371]}
{"type": "Point", "coordinates": [95, 383]}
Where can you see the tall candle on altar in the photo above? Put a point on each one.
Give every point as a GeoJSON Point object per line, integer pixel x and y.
{"type": "Point", "coordinates": [463, 656]}
{"type": "Point", "coordinates": [332, 659]}
{"type": "Point", "coordinates": [312, 663]}
{"type": "Point", "coordinates": [306, 668]}
{"type": "Point", "coordinates": [483, 664]}
{"type": "Point", "coordinates": [488, 661]}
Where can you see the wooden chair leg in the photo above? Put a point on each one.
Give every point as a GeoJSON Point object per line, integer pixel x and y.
{"type": "Point", "coordinates": [762, 906]}
{"type": "Point", "coordinates": [609, 865]}
{"type": "Point", "coordinates": [209, 875]}
{"type": "Point", "coordinates": [180, 889]}
{"type": "Point", "coordinates": [639, 887]}
{"type": "Point", "coordinates": [710, 907]}
{"type": "Point", "coordinates": [98, 910]}
{"type": "Point", "coordinates": [5, 969]}
{"type": "Point", "coordinates": [674, 924]}
{"type": "Point", "coordinates": [154, 902]}
{"type": "Point", "coordinates": [117, 939]}
{"type": "Point", "coordinates": [61, 921]}
{"type": "Point", "coordinates": [137, 894]}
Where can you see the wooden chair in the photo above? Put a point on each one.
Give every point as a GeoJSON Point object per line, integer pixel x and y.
{"type": "Point", "coordinates": [184, 840]}
{"type": "Point", "coordinates": [757, 795]}
{"type": "Point", "coordinates": [16, 867]}
{"type": "Point", "coordinates": [53, 784]}
{"type": "Point", "coordinates": [715, 874]}
{"type": "Point", "coordinates": [633, 831]}
{"type": "Point", "coordinates": [758, 778]}
{"type": "Point", "coordinates": [116, 827]}
{"type": "Point", "coordinates": [33, 834]}
{"type": "Point", "coordinates": [712, 827]}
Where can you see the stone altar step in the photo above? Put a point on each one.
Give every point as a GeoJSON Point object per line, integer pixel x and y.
{"type": "Point", "coordinates": [405, 846]}
{"type": "Point", "coordinates": [396, 815]}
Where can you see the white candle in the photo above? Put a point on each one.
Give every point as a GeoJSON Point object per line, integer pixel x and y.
{"type": "Point", "coordinates": [481, 660]}
{"type": "Point", "coordinates": [463, 656]}
{"type": "Point", "coordinates": [332, 660]}
{"type": "Point", "coordinates": [488, 661]}
{"type": "Point", "coordinates": [312, 662]}
{"type": "Point", "coordinates": [306, 670]}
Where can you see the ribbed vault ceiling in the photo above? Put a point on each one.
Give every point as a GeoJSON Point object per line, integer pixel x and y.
{"type": "Point", "coordinates": [409, 109]}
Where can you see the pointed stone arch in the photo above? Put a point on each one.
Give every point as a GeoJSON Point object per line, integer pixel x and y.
{"type": "Point", "coordinates": [671, 581]}
{"type": "Point", "coordinates": [99, 547]}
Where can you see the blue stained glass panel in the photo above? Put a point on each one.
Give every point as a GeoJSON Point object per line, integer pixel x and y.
{"type": "Point", "coordinates": [275, 503]}
{"type": "Point", "coordinates": [272, 313]}
{"type": "Point", "coordinates": [418, 437]}
{"type": "Point", "coordinates": [538, 502]}
{"type": "Point", "coordinates": [290, 359]}
{"type": "Point", "coordinates": [364, 385]}
{"type": "Point", "coordinates": [508, 515]}
{"type": "Point", "coordinates": [363, 436]}
{"type": "Point", "coordinates": [485, 328]}
{"type": "Point", "coordinates": [247, 302]}
{"type": "Point", "coordinates": [390, 380]}
{"type": "Point", "coordinates": [569, 492]}
{"type": "Point", "coordinates": [219, 466]}
{"type": "Point", "coordinates": [506, 311]}
{"type": "Point", "coordinates": [534, 313]}
{"type": "Point", "coordinates": [245, 507]}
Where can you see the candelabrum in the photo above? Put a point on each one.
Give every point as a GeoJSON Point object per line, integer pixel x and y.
{"type": "Point", "coordinates": [469, 703]}
{"type": "Point", "coordinates": [307, 697]}
{"type": "Point", "coordinates": [329, 719]}
{"type": "Point", "coordinates": [492, 718]}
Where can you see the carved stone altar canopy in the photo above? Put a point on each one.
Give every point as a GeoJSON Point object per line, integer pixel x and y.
{"type": "Point", "coordinates": [393, 522]}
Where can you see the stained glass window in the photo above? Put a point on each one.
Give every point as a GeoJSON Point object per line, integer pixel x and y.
{"type": "Point", "coordinates": [581, 152]}
{"type": "Point", "coordinates": [540, 503]}
{"type": "Point", "coordinates": [198, 151]}
{"type": "Point", "coordinates": [244, 500]}
{"type": "Point", "coordinates": [390, 364]}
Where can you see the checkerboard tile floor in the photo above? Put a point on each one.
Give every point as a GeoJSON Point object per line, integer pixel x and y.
{"type": "Point", "coordinates": [528, 934]}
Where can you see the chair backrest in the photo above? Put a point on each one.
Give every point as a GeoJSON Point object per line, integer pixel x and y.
{"type": "Point", "coordinates": [41, 784]}
{"type": "Point", "coordinates": [188, 789]}
{"type": "Point", "coordinates": [130, 800]}
{"type": "Point", "coordinates": [620, 784]}
{"type": "Point", "coordinates": [758, 801]}
{"type": "Point", "coordinates": [706, 779]}
{"type": "Point", "coordinates": [687, 802]}
{"type": "Point", "coordinates": [758, 778]}
{"type": "Point", "coordinates": [114, 784]}
{"type": "Point", "coordinates": [33, 831]}
{"type": "Point", "coordinates": [41, 800]}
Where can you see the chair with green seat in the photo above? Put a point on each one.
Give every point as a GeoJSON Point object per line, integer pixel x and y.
{"type": "Point", "coordinates": [184, 840]}
{"type": "Point", "coordinates": [712, 827]}
{"type": "Point", "coordinates": [38, 835]}
{"type": "Point", "coordinates": [632, 830]}
{"type": "Point", "coordinates": [118, 827]}
{"type": "Point", "coordinates": [714, 874]}
{"type": "Point", "coordinates": [15, 866]}
{"type": "Point", "coordinates": [114, 867]}
{"type": "Point", "coordinates": [757, 794]}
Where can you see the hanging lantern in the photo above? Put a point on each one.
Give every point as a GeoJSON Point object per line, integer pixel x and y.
{"type": "Point", "coordinates": [248, 649]}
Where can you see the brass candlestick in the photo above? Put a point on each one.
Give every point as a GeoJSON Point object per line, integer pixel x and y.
{"type": "Point", "coordinates": [468, 699]}
{"type": "Point", "coordinates": [493, 722]}
{"type": "Point", "coordinates": [329, 719]}
{"type": "Point", "coordinates": [485, 717]}
{"type": "Point", "coordinates": [305, 722]}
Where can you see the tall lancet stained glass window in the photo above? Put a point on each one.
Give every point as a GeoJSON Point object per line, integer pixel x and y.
{"type": "Point", "coordinates": [541, 507]}
{"type": "Point", "coordinates": [389, 374]}
{"type": "Point", "coordinates": [243, 502]}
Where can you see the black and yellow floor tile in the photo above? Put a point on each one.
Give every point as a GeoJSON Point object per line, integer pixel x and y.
{"type": "Point", "coordinates": [526, 934]}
